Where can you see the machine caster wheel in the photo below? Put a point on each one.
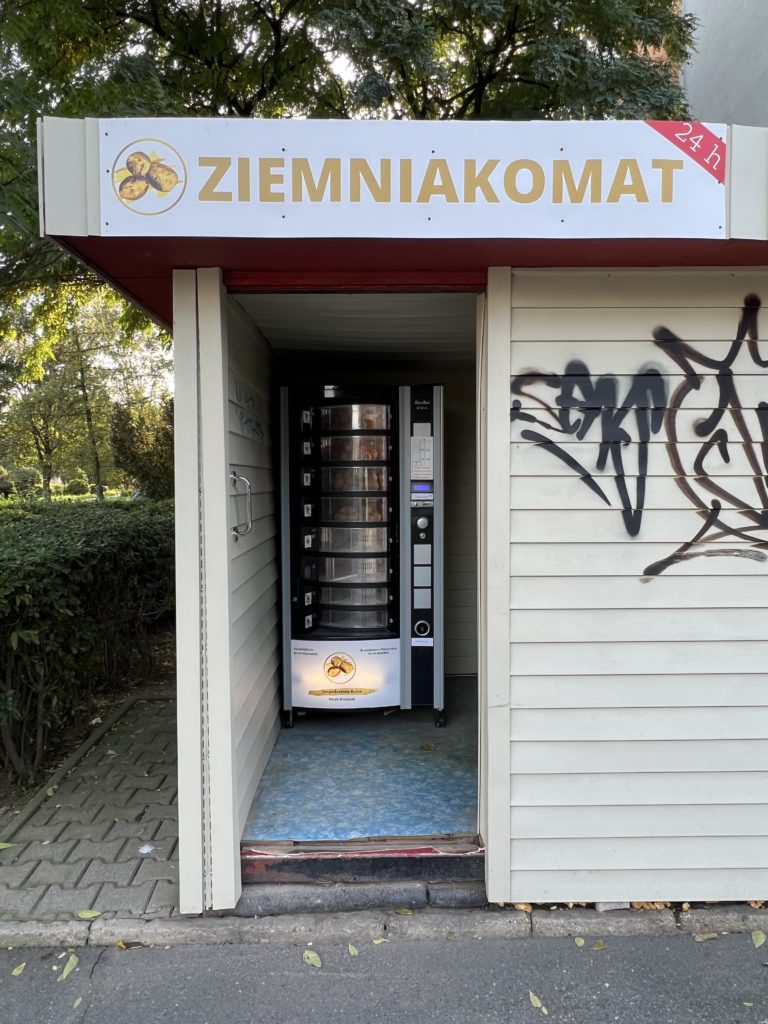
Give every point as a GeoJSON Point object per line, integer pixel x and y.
{"type": "Point", "coordinates": [439, 718]}
{"type": "Point", "coordinates": [288, 719]}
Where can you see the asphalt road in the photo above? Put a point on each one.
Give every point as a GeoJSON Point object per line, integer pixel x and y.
{"type": "Point", "coordinates": [642, 980]}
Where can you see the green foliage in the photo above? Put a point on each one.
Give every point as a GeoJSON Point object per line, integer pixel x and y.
{"type": "Point", "coordinates": [77, 486]}
{"type": "Point", "coordinates": [25, 479]}
{"type": "Point", "coordinates": [142, 441]}
{"type": "Point", "coordinates": [79, 583]}
{"type": "Point", "coordinates": [444, 59]}
{"type": "Point", "coordinates": [7, 486]}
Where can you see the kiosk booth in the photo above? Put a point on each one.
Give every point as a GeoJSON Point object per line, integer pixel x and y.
{"type": "Point", "coordinates": [588, 297]}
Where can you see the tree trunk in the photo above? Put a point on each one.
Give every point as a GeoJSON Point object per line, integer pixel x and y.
{"type": "Point", "coordinates": [92, 441]}
{"type": "Point", "coordinates": [46, 471]}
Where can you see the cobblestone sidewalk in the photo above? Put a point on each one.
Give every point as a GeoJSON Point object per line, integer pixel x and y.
{"type": "Point", "coordinates": [106, 838]}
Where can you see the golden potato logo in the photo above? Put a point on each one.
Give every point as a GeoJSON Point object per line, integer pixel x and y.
{"type": "Point", "coordinates": [339, 668]}
{"type": "Point", "coordinates": [149, 177]}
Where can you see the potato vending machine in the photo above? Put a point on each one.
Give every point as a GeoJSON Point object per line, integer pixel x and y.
{"type": "Point", "coordinates": [362, 552]}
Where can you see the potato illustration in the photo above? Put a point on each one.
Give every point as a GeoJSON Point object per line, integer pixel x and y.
{"type": "Point", "coordinates": [162, 177]}
{"type": "Point", "coordinates": [334, 671]}
{"type": "Point", "coordinates": [138, 163]}
{"type": "Point", "coordinates": [346, 666]}
{"type": "Point", "coordinates": [132, 188]}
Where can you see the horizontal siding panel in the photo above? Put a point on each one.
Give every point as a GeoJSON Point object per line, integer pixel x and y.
{"type": "Point", "coordinates": [658, 657]}
{"type": "Point", "coordinates": [678, 290]}
{"type": "Point", "coordinates": [676, 884]}
{"type": "Point", "coordinates": [253, 757]}
{"type": "Point", "coordinates": [640, 691]}
{"type": "Point", "coordinates": [665, 591]}
{"type": "Point", "coordinates": [598, 324]}
{"type": "Point", "coordinates": [244, 563]}
{"type": "Point", "coordinates": [247, 452]}
{"type": "Point", "coordinates": [628, 355]}
{"type": "Point", "coordinates": [531, 458]}
{"type": "Point", "coordinates": [261, 505]}
{"type": "Point", "coordinates": [254, 693]}
{"type": "Point", "coordinates": [263, 613]}
{"type": "Point", "coordinates": [264, 531]}
{"type": "Point", "coordinates": [639, 853]}
{"type": "Point", "coordinates": [648, 755]}
{"type": "Point", "coordinates": [643, 820]}
{"type": "Point", "coordinates": [569, 492]}
{"type": "Point", "coordinates": [263, 633]}
{"type": "Point", "coordinates": [259, 666]}
{"type": "Point", "coordinates": [578, 725]}
{"type": "Point", "coordinates": [578, 625]}
{"type": "Point", "coordinates": [630, 559]}
{"type": "Point", "coordinates": [599, 787]}
{"type": "Point", "coordinates": [606, 525]}
{"type": "Point", "coordinates": [244, 597]}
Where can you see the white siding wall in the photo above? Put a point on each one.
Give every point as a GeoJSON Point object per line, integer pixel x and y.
{"type": "Point", "coordinates": [638, 703]}
{"type": "Point", "coordinates": [253, 562]}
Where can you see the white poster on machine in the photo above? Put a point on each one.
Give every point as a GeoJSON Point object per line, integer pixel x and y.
{"type": "Point", "coordinates": [343, 674]}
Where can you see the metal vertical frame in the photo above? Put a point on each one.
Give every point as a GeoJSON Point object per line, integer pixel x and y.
{"type": "Point", "coordinates": [438, 546]}
{"type": "Point", "coordinates": [285, 545]}
{"type": "Point", "coordinates": [404, 470]}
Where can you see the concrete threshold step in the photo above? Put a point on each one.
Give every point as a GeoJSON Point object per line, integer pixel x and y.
{"type": "Point", "coordinates": [457, 858]}
{"type": "Point", "coordinates": [403, 896]}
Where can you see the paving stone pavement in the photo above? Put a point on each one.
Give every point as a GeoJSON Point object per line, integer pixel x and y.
{"type": "Point", "coordinates": [80, 849]}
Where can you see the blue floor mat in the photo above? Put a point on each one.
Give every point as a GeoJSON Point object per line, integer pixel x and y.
{"type": "Point", "coordinates": [359, 774]}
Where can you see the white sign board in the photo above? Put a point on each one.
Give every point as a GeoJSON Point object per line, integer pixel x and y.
{"type": "Point", "coordinates": [417, 179]}
{"type": "Point", "coordinates": [342, 674]}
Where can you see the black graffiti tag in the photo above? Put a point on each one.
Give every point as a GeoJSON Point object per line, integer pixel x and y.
{"type": "Point", "coordinates": [580, 403]}
{"type": "Point", "coordinates": [725, 512]}
{"type": "Point", "coordinates": [579, 407]}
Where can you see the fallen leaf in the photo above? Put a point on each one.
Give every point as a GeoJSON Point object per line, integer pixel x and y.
{"type": "Point", "coordinates": [758, 938]}
{"type": "Point", "coordinates": [69, 966]}
{"type": "Point", "coordinates": [598, 945]}
{"type": "Point", "coordinates": [89, 915]}
{"type": "Point", "coordinates": [747, 1004]}
{"type": "Point", "coordinates": [685, 906]}
{"type": "Point", "coordinates": [352, 949]}
{"type": "Point", "coordinates": [545, 1011]}
{"type": "Point", "coordinates": [378, 942]}
{"type": "Point", "coordinates": [6, 846]}
{"type": "Point", "coordinates": [112, 753]}
{"type": "Point", "coordinates": [535, 1001]}
{"type": "Point", "coordinates": [579, 941]}
{"type": "Point", "coordinates": [77, 1002]}
{"type": "Point", "coordinates": [427, 747]}
{"type": "Point", "coordinates": [311, 958]}
{"type": "Point", "coordinates": [51, 790]}
{"type": "Point", "coordinates": [756, 904]}
{"type": "Point", "coordinates": [19, 969]}
{"type": "Point", "coordinates": [403, 910]}
{"type": "Point", "coordinates": [704, 936]}
{"type": "Point", "coordinates": [525, 907]}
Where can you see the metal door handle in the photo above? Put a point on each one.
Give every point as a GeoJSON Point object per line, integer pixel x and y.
{"type": "Point", "coordinates": [240, 530]}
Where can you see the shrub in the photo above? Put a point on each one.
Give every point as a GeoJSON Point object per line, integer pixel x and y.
{"type": "Point", "coordinates": [27, 480]}
{"type": "Point", "coordinates": [79, 583]}
{"type": "Point", "coordinates": [77, 486]}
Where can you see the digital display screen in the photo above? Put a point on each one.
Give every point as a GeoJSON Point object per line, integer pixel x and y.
{"type": "Point", "coordinates": [418, 486]}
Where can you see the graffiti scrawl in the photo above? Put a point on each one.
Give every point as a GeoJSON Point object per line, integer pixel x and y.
{"type": "Point", "coordinates": [576, 406]}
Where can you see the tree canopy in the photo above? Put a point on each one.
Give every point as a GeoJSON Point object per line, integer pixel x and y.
{"type": "Point", "coordinates": [437, 59]}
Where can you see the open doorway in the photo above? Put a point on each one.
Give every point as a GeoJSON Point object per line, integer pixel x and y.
{"type": "Point", "coordinates": [386, 777]}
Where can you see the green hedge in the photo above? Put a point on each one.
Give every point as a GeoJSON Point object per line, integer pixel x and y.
{"type": "Point", "coordinates": [79, 583]}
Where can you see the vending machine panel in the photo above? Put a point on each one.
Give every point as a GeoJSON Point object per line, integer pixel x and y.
{"type": "Point", "coordinates": [361, 497]}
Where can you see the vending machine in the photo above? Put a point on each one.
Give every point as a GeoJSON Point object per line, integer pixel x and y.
{"type": "Point", "coordinates": [362, 548]}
